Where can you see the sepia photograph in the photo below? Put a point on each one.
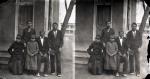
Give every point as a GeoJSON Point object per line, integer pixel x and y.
{"type": "Point", "coordinates": [111, 39]}
{"type": "Point", "coordinates": [36, 39]}
{"type": "Point", "coordinates": [74, 39]}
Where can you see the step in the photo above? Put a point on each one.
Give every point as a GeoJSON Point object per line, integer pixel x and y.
{"type": "Point", "coordinates": [82, 61]}
{"type": "Point", "coordinates": [81, 57]}
{"type": "Point", "coordinates": [5, 54]}
{"type": "Point", "coordinates": [4, 62]}
{"type": "Point", "coordinates": [4, 57]}
{"type": "Point", "coordinates": [84, 55]}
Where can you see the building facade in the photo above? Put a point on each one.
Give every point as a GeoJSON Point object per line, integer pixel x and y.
{"type": "Point", "coordinates": [91, 17]}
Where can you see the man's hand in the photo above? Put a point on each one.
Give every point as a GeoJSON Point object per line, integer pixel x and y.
{"type": "Point", "coordinates": [41, 53]}
{"type": "Point", "coordinates": [124, 55]}
{"type": "Point", "coordinates": [60, 49]}
{"type": "Point", "coordinates": [45, 55]}
{"type": "Point", "coordinates": [104, 44]}
{"type": "Point", "coordinates": [22, 50]}
{"type": "Point", "coordinates": [12, 50]}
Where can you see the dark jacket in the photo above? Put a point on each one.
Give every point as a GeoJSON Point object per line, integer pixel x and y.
{"type": "Point", "coordinates": [45, 47]}
{"type": "Point", "coordinates": [55, 42]}
{"type": "Point", "coordinates": [26, 36]}
{"type": "Point", "coordinates": [105, 36]}
{"type": "Point", "coordinates": [18, 48]}
{"type": "Point", "coordinates": [136, 42]}
{"type": "Point", "coordinates": [122, 48]}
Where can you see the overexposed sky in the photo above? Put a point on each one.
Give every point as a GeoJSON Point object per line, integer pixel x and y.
{"type": "Point", "coordinates": [62, 12]}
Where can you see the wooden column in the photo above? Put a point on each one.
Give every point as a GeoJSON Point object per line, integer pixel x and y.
{"type": "Point", "coordinates": [125, 9]}
{"type": "Point", "coordinates": [46, 17]}
{"type": "Point", "coordinates": [117, 15]}
{"type": "Point", "coordinates": [39, 15]}
{"type": "Point", "coordinates": [54, 11]}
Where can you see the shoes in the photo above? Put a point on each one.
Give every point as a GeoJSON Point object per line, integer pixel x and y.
{"type": "Point", "coordinates": [138, 75]}
{"type": "Point", "coordinates": [132, 73]}
{"type": "Point", "coordinates": [38, 75]}
{"type": "Point", "coordinates": [53, 73]}
{"type": "Point", "coordinates": [59, 75]}
{"type": "Point", "coordinates": [117, 74]}
{"type": "Point", "coordinates": [124, 75]}
{"type": "Point", "coordinates": [45, 75]}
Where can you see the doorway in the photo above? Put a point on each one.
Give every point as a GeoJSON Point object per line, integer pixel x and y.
{"type": "Point", "coordinates": [103, 15]}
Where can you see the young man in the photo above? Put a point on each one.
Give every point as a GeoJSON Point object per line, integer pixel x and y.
{"type": "Point", "coordinates": [122, 50]}
{"type": "Point", "coordinates": [27, 32]}
{"type": "Point", "coordinates": [134, 39]}
{"type": "Point", "coordinates": [55, 38]}
{"type": "Point", "coordinates": [107, 32]}
{"type": "Point", "coordinates": [43, 53]}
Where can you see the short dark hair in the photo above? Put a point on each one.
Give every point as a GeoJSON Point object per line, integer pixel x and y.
{"type": "Point", "coordinates": [29, 21]}
{"type": "Point", "coordinates": [55, 23]}
{"type": "Point", "coordinates": [134, 23]}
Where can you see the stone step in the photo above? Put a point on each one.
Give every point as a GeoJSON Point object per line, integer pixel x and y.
{"type": "Point", "coordinates": [80, 60]}
{"type": "Point", "coordinates": [5, 54]}
{"type": "Point", "coordinates": [4, 58]}
{"type": "Point", "coordinates": [84, 55]}
{"type": "Point", "coordinates": [4, 62]}
{"type": "Point", "coordinates": [81, 57]}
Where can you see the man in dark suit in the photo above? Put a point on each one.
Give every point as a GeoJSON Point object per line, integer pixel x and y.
{"type": "Point", "coordinates": [43, 53]}
{"type": "Point", "coordinates": [134, 38]}
{"type": "Point", "coordinates": [27, 32]}
{"type": "Point", "coordinates": [107, 32]}
{"type": "Point", "coordinates": [122, 52]}
{"type": "Point", "coordinates": [55, 38]}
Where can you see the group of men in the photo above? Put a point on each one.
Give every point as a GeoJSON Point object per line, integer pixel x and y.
{"type": "Point", "coordinates": [49, 48]}
{"type": "Point", "coordinates": [128, 48]}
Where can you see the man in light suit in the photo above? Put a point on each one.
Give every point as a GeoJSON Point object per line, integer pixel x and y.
{"type": "Point", "coordinates": [134, 38]}
{"type": "Point", "coordinates": [55, 38]}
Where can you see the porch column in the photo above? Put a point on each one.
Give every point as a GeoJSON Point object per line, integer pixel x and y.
{"type": "Point", "coordinates": [39, 15]}
{"type": "Point", "coordinates": [46, 18]}
{"type": "Point", "coordinates": [54, 11]}
{"type": "Point", "coordinates": [125, 9]}
{"type": "Point", "coordinates": [117, 15]}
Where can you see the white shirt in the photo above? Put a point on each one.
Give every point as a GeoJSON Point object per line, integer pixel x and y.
{"type": "Point", "coordinates": [134, 33]}
{"type": "Point", "coordinates": [121, 40]}
{"type": "Point", "coordinates": [42, 40]}
{"type": "Point", "coordinates": [55, 33]}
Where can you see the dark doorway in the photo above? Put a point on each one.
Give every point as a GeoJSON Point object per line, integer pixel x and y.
{"type": "Point", "coordinates": [103, 15]}
{"type": "Point", "coordinates": [25, 14]}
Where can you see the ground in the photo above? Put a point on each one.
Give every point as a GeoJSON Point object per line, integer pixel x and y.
{"type": "Point", "coordinates": [82, 70]}
{"type": "Point", "coordinates": [67, 66]}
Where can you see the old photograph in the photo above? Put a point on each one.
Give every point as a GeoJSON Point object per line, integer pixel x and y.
{"type": "Point", "coordinates": [111, 39]}
{"type": "Point", "coordinates": [36, 39]}
{"type": "Point", "coordinates": [74, 39]}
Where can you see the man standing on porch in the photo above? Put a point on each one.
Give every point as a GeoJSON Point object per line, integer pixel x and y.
{"type": "Point", "coordinates": [55, 38]}
{"type": "Point", "coordinates": [26, 36]}
{"type": "Point", "coordinates": [134, 39]}
{"type": "Point", "coordinates": [107, 32]}
{"type": "Point", "coordinates": [27, 32]}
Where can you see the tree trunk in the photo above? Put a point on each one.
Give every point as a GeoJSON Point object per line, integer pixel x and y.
{"type": "Point", "coordinates": [67, 16]}
{"type": "Point", "coordinates": [144, 19]}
